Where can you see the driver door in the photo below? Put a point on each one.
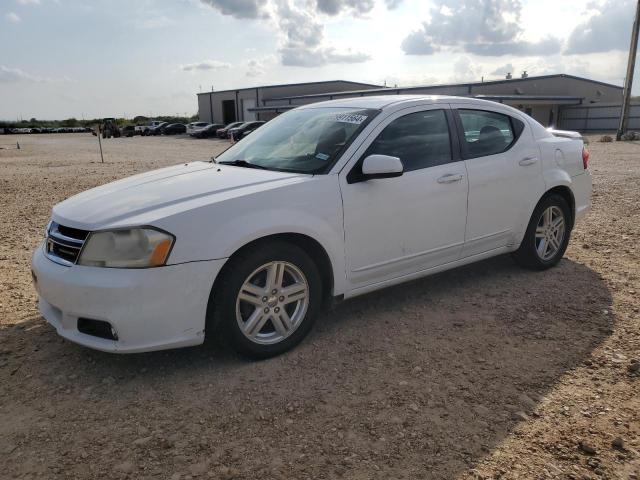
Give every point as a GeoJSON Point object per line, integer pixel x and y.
{"type": "Point", "coordinates": [400, 226]}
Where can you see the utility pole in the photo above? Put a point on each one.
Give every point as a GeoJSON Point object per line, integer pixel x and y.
{"type": "Point", "coordinates": [628, 83]}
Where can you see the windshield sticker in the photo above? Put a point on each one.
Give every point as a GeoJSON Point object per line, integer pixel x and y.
{"type": "Point", "coordinates": [322, 156]}
{"type": "Point", "coordinates": [351, 118]}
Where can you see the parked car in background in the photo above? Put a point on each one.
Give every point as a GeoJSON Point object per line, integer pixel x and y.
{"type": "Point", "coordinates": [195, 126]}
{"type": "Point", "coordinates": [243, 130]}
{"type": "Point", "coordinates": [146, 129]}
{"type": "Point", "coordinates": [208, 131]}
{"type": "Point", "coordinates": [334, 199]}
{"type": "Point", "coordinates": [174, 128]}
{"type": "Point", "coordinates": [224, 132]}
{"type": "Point", "coordinates": [130, 131]}
{"type": "Point", "coordinates": [158, 129]}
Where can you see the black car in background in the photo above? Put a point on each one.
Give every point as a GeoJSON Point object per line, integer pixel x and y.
{"type": "Point", "coordinates": [224, 132]}
{"type": "Point", "coordinates": [158, 129]}
{"type": "Point", "coordinates": [208, 131]}
{"type": "Point", "coordinates": [243, 130]}
{"type": "Point", "coordinates": [174, 128]}
{"type": "Point", "coordinates": [130, 131]}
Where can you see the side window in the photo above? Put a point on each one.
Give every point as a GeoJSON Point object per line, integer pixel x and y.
{"type": "Point", "coordinates": [420, 140]}
{"type": "Point", "coordinates": [488, 133]}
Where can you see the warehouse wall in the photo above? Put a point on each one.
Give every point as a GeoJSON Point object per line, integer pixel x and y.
{"type": "Point", "coordinates": [255, 97]}
{"type": "Point", "coordinates": [597, 118]}
{"type": "Point", "coordinates": [592, 92]}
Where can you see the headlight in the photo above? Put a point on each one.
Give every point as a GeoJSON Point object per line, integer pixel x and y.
{"type": "Point", "coordinates": [127, 248]}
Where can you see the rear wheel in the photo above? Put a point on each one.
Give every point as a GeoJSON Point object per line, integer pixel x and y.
{"type": "Point", "coordinates": [547, 235]}
{"type": "Point", "coordinates": [267, 299]}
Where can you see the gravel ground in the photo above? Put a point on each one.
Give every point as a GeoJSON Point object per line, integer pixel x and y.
{"type": "Point", "coordinates": [487, 371]}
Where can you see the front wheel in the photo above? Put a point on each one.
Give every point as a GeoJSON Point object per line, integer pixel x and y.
{"type": "Point", "coordinates": [267, 299]}
{"type": "Point", "coordinates": [547, 235]}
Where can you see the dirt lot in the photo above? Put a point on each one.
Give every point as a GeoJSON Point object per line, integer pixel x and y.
{"type": "Point", "coordinates": [488, 371]}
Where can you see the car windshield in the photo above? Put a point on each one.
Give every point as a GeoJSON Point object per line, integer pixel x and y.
{"type": "Point", "coordinates": [308, 140]}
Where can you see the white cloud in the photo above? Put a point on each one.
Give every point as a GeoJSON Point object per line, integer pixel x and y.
{"type": "Point", "coordinates": [334, 7]}
{"type": "Point", "coordinates": [205, 65]}
{"type": "Point", "coordinates": [391, 4]}
{"type": "Point", "coordinates": [239, 8]}
{"type": "Point", "coordinates": [156, 22]}
{"type": "Point", "coordinates": [12, 17]}
{"type": "Point", "coordinates": [465, 70]}
{"type": "Point", "coordinates": [609, 29]}
{"type": "Point", "coordinates": [481, 27]}
{"type": "Point", "coordinates": [16, 75]}
{"type": "Point", "coordinates": [303, 43]}
{"type": "Point", "coordinates": [503, 70]}
{"type": "Point", "coordinates": [29, 2]}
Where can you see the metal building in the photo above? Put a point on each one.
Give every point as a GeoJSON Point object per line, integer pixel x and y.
{"type": "Point", "coordinates": [244, 104]}
{"type": "Point", "coordinates": [542, 97]}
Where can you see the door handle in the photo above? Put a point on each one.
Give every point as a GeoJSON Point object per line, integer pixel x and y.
{"type": "Point", "coordinates": [525, 162]}
{"type": "Point", "coordinates": [450, 178]}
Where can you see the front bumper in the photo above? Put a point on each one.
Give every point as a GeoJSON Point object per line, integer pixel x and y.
{"type": "Point", "coordinates": [150, 309]}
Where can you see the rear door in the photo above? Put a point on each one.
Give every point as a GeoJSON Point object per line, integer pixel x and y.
{"type": "Point", "coordinates": [505, 176]}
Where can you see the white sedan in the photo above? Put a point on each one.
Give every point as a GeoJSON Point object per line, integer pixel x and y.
{"type": "Point", "coordinates": [193, 127]}
{"type": "Point", "coordinates": [330, 200]}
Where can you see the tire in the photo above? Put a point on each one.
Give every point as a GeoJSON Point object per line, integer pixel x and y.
{"type": "Point", "coordinates": [543, 246]}
{"type": "Point", "coordinates": [278, 323]}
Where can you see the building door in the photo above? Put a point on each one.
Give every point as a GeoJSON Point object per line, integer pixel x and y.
{"type": "Point", "coordinates": [228, 111]}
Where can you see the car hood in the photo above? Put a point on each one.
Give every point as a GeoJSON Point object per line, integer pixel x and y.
{"type": "Point", "coordinates": [169, 189]}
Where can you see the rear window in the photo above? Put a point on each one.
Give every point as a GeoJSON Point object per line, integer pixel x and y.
{"type": "Point", "coordinates": [488, 133]}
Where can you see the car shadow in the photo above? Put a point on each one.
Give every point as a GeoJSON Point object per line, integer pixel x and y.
{"type": "Point", "coordinates": [420, 380]}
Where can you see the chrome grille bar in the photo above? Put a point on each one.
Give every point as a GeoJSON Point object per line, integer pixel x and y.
{"type": "Point", "coordinates": [63, 248]}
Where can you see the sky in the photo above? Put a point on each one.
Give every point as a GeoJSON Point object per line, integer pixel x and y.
{"type": "Point", "coordinates": [87, 59]}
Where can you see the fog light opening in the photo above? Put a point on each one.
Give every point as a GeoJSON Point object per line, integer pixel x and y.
{"type": "Point", "coordinates": [97, 328]}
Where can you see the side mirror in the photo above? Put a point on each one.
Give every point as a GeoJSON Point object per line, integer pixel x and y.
{"type": "Point", "coordinates": [381, 166]}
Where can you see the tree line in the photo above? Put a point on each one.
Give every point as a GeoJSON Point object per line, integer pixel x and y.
{"type": "Point", "coordinates": [74, 122]}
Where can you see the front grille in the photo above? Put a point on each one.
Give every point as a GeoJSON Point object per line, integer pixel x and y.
{"type": "Point", "coordinates": [63, 244]}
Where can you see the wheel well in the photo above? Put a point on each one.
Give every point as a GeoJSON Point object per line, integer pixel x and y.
{"type": "Point", "coordinates": [316, 251]}
{"type": "Point", "coordinates": [567, 194]}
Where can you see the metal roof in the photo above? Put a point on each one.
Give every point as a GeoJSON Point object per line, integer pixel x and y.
{"type": "Point", "coordinates": [558, 99]}
{"type": "Point", "coordinates": [385, 101]}
{"type": "Point", "coordinates": [289, 85]}
{"type": "Point", "coordinates": [398, 90]}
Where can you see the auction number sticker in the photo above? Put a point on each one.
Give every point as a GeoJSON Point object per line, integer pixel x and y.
{"type": "Point", "coordinates": [351, 118]}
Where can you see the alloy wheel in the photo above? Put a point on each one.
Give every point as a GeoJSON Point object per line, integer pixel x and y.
{"type": "Point", "coordinates": [272, 302]}
{"type": "Point", "coordinates": [550, 233]}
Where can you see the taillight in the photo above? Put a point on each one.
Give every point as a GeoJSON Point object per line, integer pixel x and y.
{"type": "Point", "coordinates": [585, 157]}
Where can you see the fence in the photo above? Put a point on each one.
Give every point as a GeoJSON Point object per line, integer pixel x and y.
{"type": "Point", "coordinates": [597, 118]}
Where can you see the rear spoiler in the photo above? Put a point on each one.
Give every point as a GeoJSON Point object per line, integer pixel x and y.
{"type": "Point", "coordinates": [565, 134]}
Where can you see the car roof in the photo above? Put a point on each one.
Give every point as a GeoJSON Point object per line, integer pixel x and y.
{"type": "Point", "coordinates": [380, 102]}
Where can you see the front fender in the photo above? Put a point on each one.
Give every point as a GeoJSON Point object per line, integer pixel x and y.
{"type": "Point", "coordinates": [218, 230]}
